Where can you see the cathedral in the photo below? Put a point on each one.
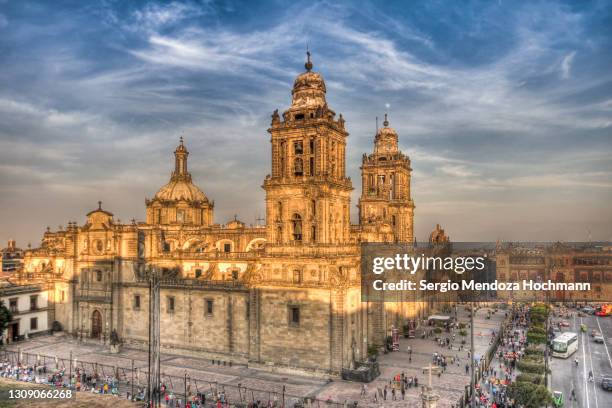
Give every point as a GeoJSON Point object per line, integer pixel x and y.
{"type": "Point", "coordinates": [282, 297]}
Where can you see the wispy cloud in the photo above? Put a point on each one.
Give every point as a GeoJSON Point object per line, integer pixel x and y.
{"type": "Point", "coordinates": [566, 64]}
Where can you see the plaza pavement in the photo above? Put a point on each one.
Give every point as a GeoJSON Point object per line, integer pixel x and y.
{"type": "Point", "coordinates": [449, 386]}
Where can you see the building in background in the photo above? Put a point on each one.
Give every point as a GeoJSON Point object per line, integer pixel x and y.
{"type": "Point", "coordinates": [29, 308]}
{"type": "Point", "coordinates": [558, 263]}
{"type": "Point", "coordinates": [12, 258]}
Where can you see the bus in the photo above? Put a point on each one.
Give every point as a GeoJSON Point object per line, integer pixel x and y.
{"type": "Point", "coordinates": [565, 345]}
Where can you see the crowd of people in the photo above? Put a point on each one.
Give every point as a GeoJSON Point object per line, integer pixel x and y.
{"type": "Point", "coordinates": [40, 374]}
{"type": "Point", "coordinates": [491, 390]}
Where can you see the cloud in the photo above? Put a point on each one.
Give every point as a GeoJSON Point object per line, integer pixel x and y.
{"type": "Point", "coordinates": [154, 16]}
{"type": "Point", "coordinates": [491, 105]}
{"type": "Point", "coordinates": [566, 64]}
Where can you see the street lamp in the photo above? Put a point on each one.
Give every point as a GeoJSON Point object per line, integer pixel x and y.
{"type": "Point", "coordinates": [472, 358]}
{"type": "Point", "coordinates": [185, 384]}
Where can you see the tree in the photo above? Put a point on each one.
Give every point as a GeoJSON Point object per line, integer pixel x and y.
{"type": "Point", "coordinates": [5, 318]}
{"type": "Point", "coordinates": [536, 338]}
{"type": "Point", "coordinates": [529, 395]}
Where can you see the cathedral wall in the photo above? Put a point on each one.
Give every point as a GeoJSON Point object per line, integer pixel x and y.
{"type": "Point", "coordinates": [189, 328]}
{"type": "Point", "coordinates": [283, 342]}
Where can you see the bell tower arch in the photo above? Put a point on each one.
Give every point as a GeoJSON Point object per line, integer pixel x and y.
{"type": "Point", "coordinates": [308, 189]}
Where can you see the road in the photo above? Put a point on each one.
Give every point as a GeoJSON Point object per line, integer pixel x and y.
{"type": "Point", "coordinates": [591, 357]}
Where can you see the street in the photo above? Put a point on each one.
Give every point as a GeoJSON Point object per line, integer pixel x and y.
{"type": "Point", "coordinates": [591, 357]}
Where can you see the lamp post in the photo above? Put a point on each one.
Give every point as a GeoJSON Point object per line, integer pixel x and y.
{"type": "Point", "coordinates": [185, 384]}
{"type": "Point", "coordinates": [132, 381]}
{"type": "Point", "coordinates": [472, 359]}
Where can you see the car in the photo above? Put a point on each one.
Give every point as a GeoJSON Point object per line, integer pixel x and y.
{"type": "Point", "coordinates": [598, 339]}
{"type": "Point", "coordinates": [606, 383]}
{"type": "Point", "coordinates": [588, 310]}
{"type": "Point", "coordinates": [558, 399]}
{"type": "Point", "coordinates": [564, 323]}
{"type": "Point", "coordinates": [594, 333]}
{"type": "Point", "coordinates": [601, 313]}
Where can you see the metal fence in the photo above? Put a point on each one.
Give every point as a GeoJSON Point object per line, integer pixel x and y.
{"type": "Point", "coordinates": [133, 379]}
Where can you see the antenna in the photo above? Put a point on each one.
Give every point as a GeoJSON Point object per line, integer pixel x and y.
{"type": "Point", "coordinates": [377, 124]}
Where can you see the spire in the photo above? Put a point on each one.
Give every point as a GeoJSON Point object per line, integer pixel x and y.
{"type": "Point", "coordinates": [386, 122]}
{"type": "Point", "coordinates": [180, 160]}
{"type": "Point", "coordinates": [308, 64]}
{"type": "Point", "coordinates": [99, 205]}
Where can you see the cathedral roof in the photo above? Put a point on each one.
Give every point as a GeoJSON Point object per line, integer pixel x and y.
{"type": "Point", "coordinates": [386, 131]}
{"type": "Point", "coordinates": [386, 140]}
{"type": "Point", "coordinates": [180, 190]}
{"type": "Point", "coordinates": [180, 186]}
{"type": "Point", "coordinates": [308, 89]}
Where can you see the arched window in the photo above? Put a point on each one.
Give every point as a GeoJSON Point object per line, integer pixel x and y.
{"type": "Point", "coordinates": [297, 276]}
{"type": "Point", "coordinates": [298, 147]}
{"type": "Point", "coordinates": [298, 167]}
{"type": "Point", "coordinates": [283, 152]}
{"type": "Point", "coordinates": [313, 234]}
{"type": "Point", "coordinates": [279, 211]}
{"type": "Point", "coordinates": [313, 208]}
{"type": "Point", "coordinates": [279, 234]}
{"type": "Point", "coordinates": [296, 221]}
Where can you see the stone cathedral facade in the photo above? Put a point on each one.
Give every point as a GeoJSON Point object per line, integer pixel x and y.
{"type": "Point", "coordinates": [282, 297]}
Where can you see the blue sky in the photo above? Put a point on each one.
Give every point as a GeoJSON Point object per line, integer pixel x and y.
{"type": "Point", "coordinates": [505, 108]}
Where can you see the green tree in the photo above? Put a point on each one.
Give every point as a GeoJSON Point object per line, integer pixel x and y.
{"type": "Point", "coordinates": [536, 338]}
{"type": "Point", "coordinates": [5, 318]}
{"type": "Point", "coordinates": [529, 395]}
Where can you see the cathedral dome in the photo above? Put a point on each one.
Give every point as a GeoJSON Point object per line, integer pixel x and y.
{"type": "Point", "coordinates": [309, 81]}
{"type": "Point", "coordinates": [308, 89]}
{"type": "Point", "coordinates": [386, 130]}
{"type": "Point", "coordinates": [177, 190]}
{"type": "Point", "coordinates": [180, 186]}
{"type": "Point", "coordinates": [386, 140]}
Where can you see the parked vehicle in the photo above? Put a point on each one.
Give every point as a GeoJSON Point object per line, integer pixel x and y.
{"type": "Point", "coordinates": [558, 399]}
{"type": "Point", "coordinates": [604, 310]}
{"type": "Point", "coordinates": [598, 339]}
{"type": "Point", "coordinates": [606, 383]}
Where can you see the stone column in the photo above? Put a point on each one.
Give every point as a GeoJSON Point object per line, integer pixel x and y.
{"type": "Point", "coordinates": [428, 398]}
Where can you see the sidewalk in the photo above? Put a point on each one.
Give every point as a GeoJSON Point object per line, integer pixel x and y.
{"type": "Point", "coordinates": [501, 372]}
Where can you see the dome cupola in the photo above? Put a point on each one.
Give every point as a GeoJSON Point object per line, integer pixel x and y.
{"type": "Point", "coordinates": [180, 200]}
{"type": "Point", "coordinates": [386, 139]}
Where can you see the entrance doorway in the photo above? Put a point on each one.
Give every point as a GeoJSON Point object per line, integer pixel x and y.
{"type": "Point", "coordinates": [13, 332]}
{"type": "Point", "coordinates": [96, 324]}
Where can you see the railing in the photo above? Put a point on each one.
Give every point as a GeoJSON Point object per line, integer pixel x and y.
{"type": "Point", "coordinates": [216, 255]}
{"type": "Point", "coordinates": [314, 250]}
{"type": "Point", "coordinates": [132, 380]}
{"type": "Point", "coordinates": [200, 283]}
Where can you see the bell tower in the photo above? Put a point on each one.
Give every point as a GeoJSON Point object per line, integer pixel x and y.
{"type": "Point", "coordinates": [307, 192]}
{"type": "Point", "coordinates": [385, 186]}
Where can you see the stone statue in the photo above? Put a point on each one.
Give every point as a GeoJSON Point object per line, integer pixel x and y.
{"type": "Point", "coordinates": [114, 338]}
{"type": "Point", "coordinates": [275, 118]}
